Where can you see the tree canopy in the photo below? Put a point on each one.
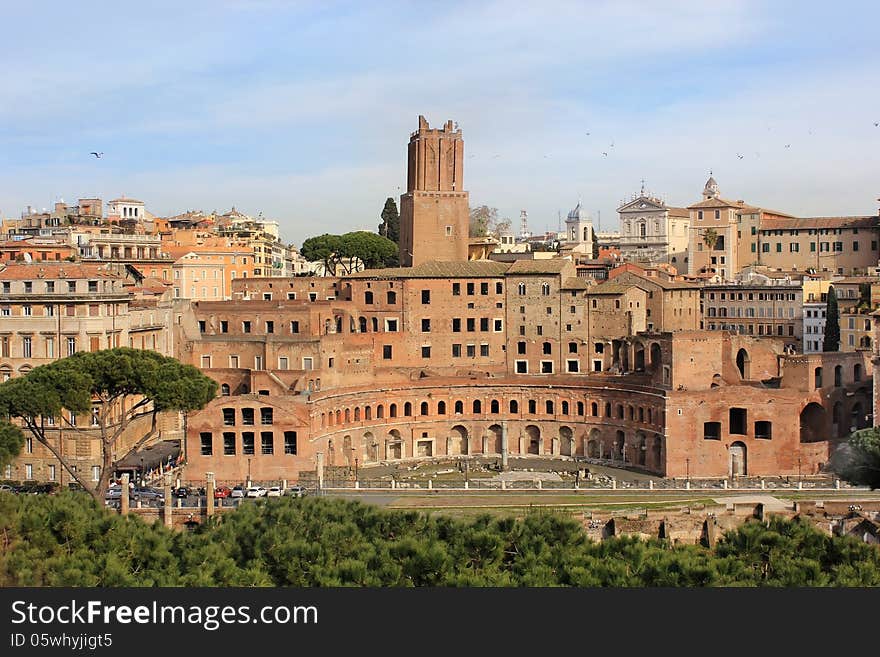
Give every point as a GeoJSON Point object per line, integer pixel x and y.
{"type": "Point", "coordinates": [114, 388]}
{"type": "Point", "coordinates": [858, 460]}
{"type": "Point", "coordinates": [68, 540]}
{"type": "Point", "coordinates": [832, 323]}
{"type": "Point", "coordinates": [484, 222]}
{"type": "Point", "coordinates": [11, 442]}
{"type": "Point", "coordinates": [340, 253]}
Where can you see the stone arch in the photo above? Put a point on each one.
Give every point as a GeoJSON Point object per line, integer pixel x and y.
{"type": "Point", "coordinates": [619, 445]}
{"type": "Point", "coordinates": [375, 323]}
{"type": "Point", "coordinates": [441, 408]}
{"type": "Point", "coordinates": [639, 357]}
{"type": "Point", "coordinates": [533, 439]}
{"type": "Point", "coordinates": [392, 410]}
{"type": "Point", "coordinates": [857, 416]}
{"type": "Point", "coordinates": [514, 406]}
{"type": "Point", "coordinates": [566, 441]}
{"type": "Point", "coordinates": [459, 407]}
{"type": "Point", "coordinates": [371, 447]}
{"type": "Point", "coordinates": [407, 409]}
{"type": "Point", "coordinates": [641, 448]}
{"type": "Point", "coordinates": [494, 407]}
{"type": "Point", "coordinates": [594, 409]}
{"type": "Point", "coordinates": [594, 444]}
{"type": "Point", "coordinates": [494, 439]}
{"type": "Point", "coordinates": [393, 445]}
{"type": "Point", "coordinates": [477, 407]}
{"type": "Point", "coordinates": [224, 389]}
{"type": "Point", "coordinates": [357, 413]}
{"type": "Point", "coordinates": [838, 376]}
{"type": "Point", "coordinates": [738, 459]}
{"type": "Point", "coordinates": [423, 408]}
{"type": "Point", "coordinates": [362, 324]}
{"type": "Point", "coordinates": [380, 412]}
{"type": "Point", "coordinates": [656, 356]}
{"type": "Point", "coordinates": [813, 420]}
{"type": "Point", "coordinates": [457, 441]}
{"type": "Point", "coordinates": [656, 454]}
{"type": "Point", "coordinates": [743, 364]}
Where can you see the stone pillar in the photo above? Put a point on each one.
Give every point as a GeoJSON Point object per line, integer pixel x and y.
{"type": "Point", "coordinates": [538, 484]}
{"type": "Point", "coordinates": [504, 447]}
{"type": "Point", "coordinates": [837, 484]}
{"type": "Point", "coordinates": [166, 515]}
{"type": "Point", "coordinates": [177, 485]}
{"type": "Point", "coordinates": [123, 499]}
{"type": "Point", "coordinates": [466, 485]}
{"type": "Point", "coordinates": [613, 483]}
{"type": "Point", "coordinates": [284, 484]}
{"type": "Point", "coordinates": [209, 494]}
{"type": "Point", "coordinates": [687, 485]}
{"type": "Point", "coordinates": [800, 485]}
{"type": "Point", "coordinates": [503, 485]}
{"type": "Point", "coordinates": [763, 485]}
{"type": "Point", "coordinates": [725, 484]}
{"type": "Point", "coordinates": [430, 484]}
{"type": "Point", "coordinates": [650, 484]}
{"type": "Point", "coordinates": [319, 469]}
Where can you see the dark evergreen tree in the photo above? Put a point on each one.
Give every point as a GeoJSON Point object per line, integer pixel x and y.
{"type": "Point", "coordinates": [832, 323]}
{"type": "Point", "coordinates": [390, 226]}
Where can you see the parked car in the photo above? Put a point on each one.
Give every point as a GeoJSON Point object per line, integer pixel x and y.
{"type": "Point", "coordinates": [274, 491]}
{"type": "Point", "coordinates": [113, 493]}
{"type": "Point", "coordinates": [6, 488]}
{"type": "Point", "coordinates": [295, 491]}
{"type": "Point", "coordinates": [222, 492]}
{"type": "Point", "coordinates": [183, 492]}
{"type": "Point", "coordinates": [237, 491]}
{"type": "Point", "coordinates": [147, 495]}
{"type": "Point", "coordinates": [256, 491]}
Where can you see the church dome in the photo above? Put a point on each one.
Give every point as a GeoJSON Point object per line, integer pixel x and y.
{"type": "Point", "coordinates": [578, 214]}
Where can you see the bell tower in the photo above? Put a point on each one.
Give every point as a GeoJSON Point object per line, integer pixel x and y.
{"type": "Point", "coordinates": [434, 212]}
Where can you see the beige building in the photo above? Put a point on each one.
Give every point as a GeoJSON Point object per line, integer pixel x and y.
{"type": "Point", "coordinates": [652, 232]}
{"type": "Point", "coordinates": [755, 310]}
{"type": "Point", "coordinates": [200, 276]}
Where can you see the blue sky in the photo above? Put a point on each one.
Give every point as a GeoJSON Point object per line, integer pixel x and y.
{"type": "Point", "coordinates": [302, 110]}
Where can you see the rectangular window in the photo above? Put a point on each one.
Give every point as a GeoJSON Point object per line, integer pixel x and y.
{"type": "Point", "coordinates": [456, 325]}
{"type": "Point", "coordinates": [233, 362]}
{"type": "Point", "coordinates": [282, 363]}
{"type": "Point", "coordinates": [546, 367]}
{"type": "Point", "coordinates": [426, 296]}
{"type": "Point", "coordinates": [572, 365]}
{"type": "Point", "coordinates": [484, 323]}
{"type": "Point", "coordinates": [266, 415]}
{"type": "Point", "coordinates": [26, 347]}
{"type": "Point", "coordinates": [207, 440]}
{"type": "Point", "coordinates": [258, 362]}
{"type": "Point", "coordinates": [456, 351]}
{"type": "Point", "coordinates": [246, 327]}
{"type": "Point", "coordinates": [71, 346]}
{"type": "Point", "coordinates": [270, 327]}
{"type": "Point", "coordinates": [294, 327]}
{"type": "Point", "coordinates": [50, 347]}
{"type": "Point", "coordinates": [247, 443]}
{"type": "Point", "coordinates": [484, 288]}
{"type": "Point", "coordinates": [96, 472]}
{"type": "Point", "coordinates": [224, 326]}
{"type": "Point", "coordinates": [307, 362]}
{"type": "Point", "coordinates": [391, 325]}
{"type": "Point", "coordinates": [456, 289]}
{"type": "Point", "coordinates": [267, 443]}
{"type": "Point", "coordinates": [738, 421]}
{"type": "Point", "coordinates": [247, 416]}
{"type": "Point", "coordinates": [290, 442]}
{"type": "Point", "coordinates": [497, 325]}
{"type": "Point", "coordinates": [484, 350]}
{"type": "Point", "coordinates": [711, 431]}
{"type": "Point", "coordinates": [522, 367]}
{"type": "Point", "coordinates": [763, 430]}
{"type": "Point", "coordinates": [470, 289]}
{"type": "Point", "coordinates": [855, 246]}
{"type": "Point", "coordinates": [471, 324]}
{"type": "Point", "coordinates": [471, 351]}
{"type": "Point", "coordinates": [386, 352]}
{"type": "Point", "coordinates": [765, 248]}
{"type": "Point", "coordinates": [426, 351]}
{"type": "Point", "coordinates": [540, 330]}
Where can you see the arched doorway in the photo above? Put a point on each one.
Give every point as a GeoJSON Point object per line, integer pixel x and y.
{"type": "Point", "coordinates": [533, 439]}
{"type": "Point", "coordinates": [457, 442]}
{"type": "Point", "coordinates": [813, 420]}
{"type": "Point", "coordinates": [347, 452]}
{"type": "Point", "coordinates": [656, 356]}
{"type": "Point", "coordinates": [394, 445]}
{"type": "Point", "coordinates": [494, 439]}
{"type": "Point", "coordinates": [593, 444]}
{"type": "Point", "coordinates": [839, 428]}
{"type": "Point", "coordinates": [641, 448]}
{"type": "Point", "coordinates": [566, 441]}
{"type": "Point", "coordinates": [743, 364]}
{"type": "Point", "coordinates": [738, 465]}
{"type": "Point", "coordinates": [371, 448]}
{"type": "Point", "coordinates": [857, 417]}
{"type": "Point", "coordinates": [640, 358]}
{"type": "Point", "coordinates": [619, 443]}
{"type": "Point", "coordinates": [656, 460]}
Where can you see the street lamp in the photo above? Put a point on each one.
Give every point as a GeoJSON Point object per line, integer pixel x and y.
{"type": "Point", "coordinates": [355, 467]}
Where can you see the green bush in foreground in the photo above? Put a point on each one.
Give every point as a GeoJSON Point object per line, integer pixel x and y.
{"type": "Point", "coordinates": [68, 540]}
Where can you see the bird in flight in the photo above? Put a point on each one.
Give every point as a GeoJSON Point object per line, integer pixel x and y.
{"type": "Point", "coordinates": [98, 155]}
{"type": "Point", "coordinates": [588, 134]}
{"type": "Point", "coordinates": [876, 123]}
{"type": "Point", "coordinates": [612, 144]}
{"type": "Point", "coordinates": [604, 153]}
{"type": "Point", "coordinates": [739, 155]}
{"type": "Point", "coordinates": [788, 145]}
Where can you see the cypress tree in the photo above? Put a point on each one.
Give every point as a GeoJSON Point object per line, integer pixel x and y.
{"type": "Point", "coordinates": [390, 226]}
{"type": "Point", "coordinates": [832, 323]}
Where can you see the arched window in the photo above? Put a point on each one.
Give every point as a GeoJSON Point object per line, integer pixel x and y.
{"type": "Point", "coordinates": [357, 413]}
{"type": "Point", "coordinates": [368, 412]}
{"type": "Point", "coordinates": [857, 372]}
{"type": "Point", "coordinates": [838, 376]}
{"type": "Point", "coordinates": [224, 389]}
{"type": "Point", "coordinates": [632, 413]}
{"type": "Point", "coordinates": [441, 408]}
{"type": "Point", "coordinates": [580, 407]}
{"type": "Point", "coordinates": [338, 417]}
{"type": "Point", "coordinates": [548, 348]}
{"type": "Point", "coordinates": [548, 407]}
{"type": "Point", "coordinates": [407, 409]}
{"type": "Point", "coordinates": [521, 288]}
{"type": "Point", "coordinates": [607, 409]}
{"type": "Point", "coordinates": [368, 298]}
{"type": "Point", "coordinates": [619, 411]}
{"type": "Point", "coordinates": [375, 323]}
{"type": "Point", "coordinates": [514, 406]}
{"type": "Point", "coordinates": [817, 378]}
{"type": "Point", "coordinates": [594, 409]}
{"type": "Point", "coordinates": [380, 412]}
{"type": "Point", "coordinates": [323, 420]}
{"type": "Point", "coordinates": [565, 408]}
{"type": "Point", "coordinates": [494, 406]}
{"type": "Point", "coordinates": [392, 410]}
{"type": "Point", "coordinates": [459, 407]}
{"type": "Point", "coordinates": [478, 406]}
{"type": "Point", "coordinates": [362, 324]}
{"type": "Point", "coordinates": [347, 416]}
{"type": "Point", "coordinates": [392, 297]}
{"type": "Point", "coordinates": [545, 289]}
{"type": "Point", "coordinates": [423, 408]}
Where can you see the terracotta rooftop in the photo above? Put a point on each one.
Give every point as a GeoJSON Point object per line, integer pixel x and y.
{"type": "Point", "coordinates": [717, 203]}
{"type": "Point", "coordinates": [678, 212]}
{"type": "Point", "coordinates": [855, 280]}
{"type": "Point", "coordinates": [821, 222]}
{"type": "Point", "coordinates": [23, 272]}
{"type": "Point", "coordinates": [552, 266]}
{"type": "Point", "coordinates": [433, 269]}
{"type": "Point", "coordinates": [612, 288]}
{"type": "Point", "coordinates": [576, 283]}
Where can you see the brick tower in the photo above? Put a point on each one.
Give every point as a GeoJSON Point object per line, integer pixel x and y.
{"type": "Point", "coordinates": [434, 213]}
